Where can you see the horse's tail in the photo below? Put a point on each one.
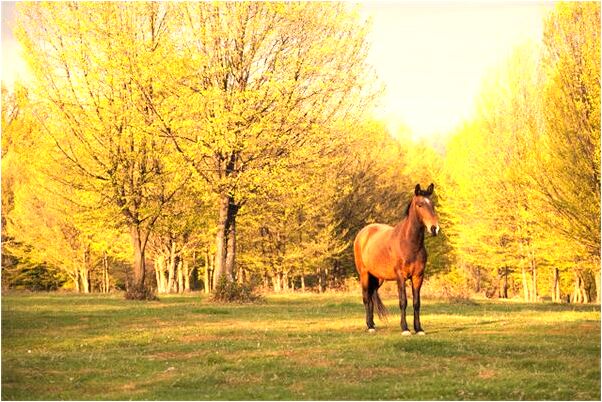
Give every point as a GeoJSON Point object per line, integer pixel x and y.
{"type": "Point", "coordinates": [381, 310]}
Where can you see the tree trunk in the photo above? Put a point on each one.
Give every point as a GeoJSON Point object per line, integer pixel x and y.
{"type": "Point", "coordinates": [75, 278]}
{"type": "Point", "coordinates": [242, 276]}
{"type": "Point", "coordinates": [584, 294]}
{"type": "Point", "coordinates": [220, 241]}
{"type": "Point", "coordinates": [186, 273]}
{"type": "Point", "coordinates": [534, 278]}
{"type": "Point", "coordinates": [303, 283]}
{"type": "Point", "coordinates": [556, 286]}
{"type": "Point", "coordinates": [139, 263]}
{"type": "Point", "coordinates": [577, 289]}
{"type": "Point", "coordinates": [180, 270]}
{"type": "Point", "coordinates": [597, 281]}
{"type": "Point", "coordinates": [138, 290]}
{"type": "Point", "coordinates": [239, 276]}
{"type": "Point", "coordinates": [211, 272]}
{"type": "Point", "coordinates": [85, 280]}
{"type": "Point", "coordinates": [500, 273]}
{"type": "Point", "coordinates": [171, 267]}
{"type": "Point", "coordinates": [505, 289]}
{"type": "Point", "coordinates": [105, 273]}
{"type": "Point", "coordinates": [85, 270]}
{"type": "Point", "coordinates": [478, 284]}
{"type": "Point", "coordinates": [206, 282]}
{"type": "Point", "coordinates": [525, 284]}
{"type": "Point", "coordinates": [277, 281]}
{"type": "Point", "coordinates": [91, 280]}
{"type": "Point", "coordinates": [285, 287]}
{"type": "Point", "coordinates": [321, 280]}
{"type": "Point", "coordinates": [231, 242]}
{"type": "Point", "coordinates": [193, 273]}
{"type": "Point", "coordinates": [157, 276]}
{"type": "Point", "coordinates": [163, 273]}
{"type": "Point", "coordinates": [84, 275]}
{"type": "Point", "coordinates": [320, 287]}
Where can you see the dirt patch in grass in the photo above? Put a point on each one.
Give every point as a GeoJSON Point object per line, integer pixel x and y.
{"type": "Point", "coordinates": [486, 374]}
{"type": "Point", "coordinates": [178, 356]}
{"type": "Point", "coordinates": [194, 338]}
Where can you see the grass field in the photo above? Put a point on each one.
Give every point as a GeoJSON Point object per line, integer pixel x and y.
{"type": "Point", "coordinates": [293, 347]}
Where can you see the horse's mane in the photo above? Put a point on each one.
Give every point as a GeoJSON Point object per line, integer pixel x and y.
{"type": "Point", "coordinates": [408, 207]}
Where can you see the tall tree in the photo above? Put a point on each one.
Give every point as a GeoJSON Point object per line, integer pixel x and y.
{"type": "Point", "coordinates": [268, 77]}
{"type": "Point", "coordinates": [572, 115]}
{"type": "Point", "coordinates": [95, 66]}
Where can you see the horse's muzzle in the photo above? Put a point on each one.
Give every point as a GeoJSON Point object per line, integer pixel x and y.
{"type": "Point", "coordinates": [435, 230]}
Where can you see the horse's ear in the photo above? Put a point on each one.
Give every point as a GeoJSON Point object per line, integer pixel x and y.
{"type": "Point", "coordinates": [430, 189]}
{"type": "Point", "coordinates": [417, 189]}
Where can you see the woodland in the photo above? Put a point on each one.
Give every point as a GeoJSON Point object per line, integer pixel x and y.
{"type": "Point", "coordinates": [173, 147]}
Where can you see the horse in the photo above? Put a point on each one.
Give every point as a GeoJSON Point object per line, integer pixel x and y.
{"type": "Point", "coordinates": [386, 253]}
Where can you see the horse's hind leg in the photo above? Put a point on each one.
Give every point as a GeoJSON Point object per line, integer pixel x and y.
{"type": "Point", "coordinates": [367, 291]}
{"type": "Point", "coordinates": [403, 303]}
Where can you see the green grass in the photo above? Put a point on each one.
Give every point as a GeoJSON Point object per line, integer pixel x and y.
{"type": "Point", "coordinates": [293, 347]}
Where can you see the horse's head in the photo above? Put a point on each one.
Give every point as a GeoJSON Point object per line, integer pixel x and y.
{"type": "Point", "coordinates": [425, 210]}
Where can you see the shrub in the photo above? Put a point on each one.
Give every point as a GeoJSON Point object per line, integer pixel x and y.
{"type": "Point", "coordinates": [140, 293]}
{"type": "Point", "coordinates": [227, 291]}
{"type": "Point", "coordinates": [453, 286]}
{"type": "Point", "coordinates": [32, 277]}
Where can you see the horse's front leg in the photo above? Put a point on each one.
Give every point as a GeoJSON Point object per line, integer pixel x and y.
{"type": "Point", "coordinates": [403, 303]}
{"type": "Point", "coordinates": [416, 285]}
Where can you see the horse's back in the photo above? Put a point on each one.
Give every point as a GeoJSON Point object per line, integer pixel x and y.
{"type": "Point", "coordinates": [370, 231]}
{"type": "Point", "coordinates": [369, 245]}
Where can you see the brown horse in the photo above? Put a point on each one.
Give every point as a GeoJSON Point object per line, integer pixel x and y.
{"type": "Point", "coordinates": [385, 253]}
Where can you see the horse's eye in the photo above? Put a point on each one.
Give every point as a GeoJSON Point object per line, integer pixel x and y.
{"type": "Point", "coordinates": [420, 205]}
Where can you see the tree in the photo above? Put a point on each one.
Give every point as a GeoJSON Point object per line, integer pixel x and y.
{"type": "Point", "coordinates": [178, 236]}
{"type": "Point", "coordinates": [42, 230]}
{"type": "Point", "coordinates": [95, 66]}
{"type": "Point", "coordinates": [528, 214]}
{"type": "Point", "coordinates": [269, 77]}
{"type": "Point", "coordinates": [572, 116]}
{"type": "Point", "coordinates": [294, 227]}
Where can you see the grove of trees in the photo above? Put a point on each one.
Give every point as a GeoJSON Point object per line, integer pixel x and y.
{"type": "Point", "coordinates": [165, 147]}
{"type": "Point", "coordinates": [522, 181]}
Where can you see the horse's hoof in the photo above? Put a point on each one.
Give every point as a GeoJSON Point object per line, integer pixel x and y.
{"type": "Point", "coordinates": [371, 330]}
{"type": "Point", "coordinates": [406, 333]}
{"type": "Point", "coordinates": [420, 333]}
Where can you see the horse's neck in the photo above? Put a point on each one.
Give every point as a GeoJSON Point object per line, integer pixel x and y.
{"type": "Point", "coordinates": [410, 230]}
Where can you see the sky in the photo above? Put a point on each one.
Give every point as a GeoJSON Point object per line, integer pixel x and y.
{"type": "Point", "coordinates": [430, 56]}
{"type": "Point", "coordinates": [433, 56]}
{"type": "Point", "coordinates": [12, 63]}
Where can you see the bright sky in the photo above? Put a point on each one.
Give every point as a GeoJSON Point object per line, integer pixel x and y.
{"type": "Point", "coordinates": [431, 56]}
{"type": "Point", "coordinates": [12, 63]}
